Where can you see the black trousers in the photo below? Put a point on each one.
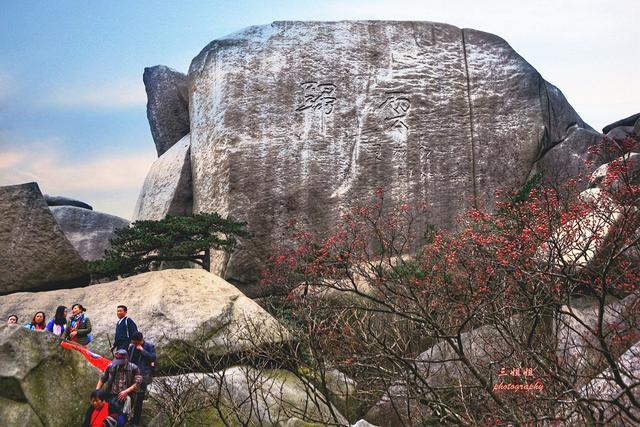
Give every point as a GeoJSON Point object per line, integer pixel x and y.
{"type": "Point", "coordinates": [137, 405]}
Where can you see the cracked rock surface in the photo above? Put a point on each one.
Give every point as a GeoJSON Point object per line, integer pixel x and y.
{"type": "Point", "coordinates": [305, 119]}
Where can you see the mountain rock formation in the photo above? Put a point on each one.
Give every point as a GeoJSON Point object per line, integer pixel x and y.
{"type": "Point", "coordinates": [167, 106]}
{"type": "Point", "coordinates": [88, 231]}
{"type": "Point", "coordinates": [34, 252]}
{"type": "Point", "coordinates": [305, 119]}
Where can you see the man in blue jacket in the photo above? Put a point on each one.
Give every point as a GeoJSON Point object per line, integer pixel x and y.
{"type": "Point", "coordinates": [125, 328]}
{"type": "Point", "coordinates": [143, 354]}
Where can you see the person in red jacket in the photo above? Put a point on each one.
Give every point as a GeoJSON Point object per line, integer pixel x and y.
{"type": "Point", "coordinates": [101, 413]}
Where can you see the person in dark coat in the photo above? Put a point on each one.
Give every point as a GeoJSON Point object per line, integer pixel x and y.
{"type": "Point", "coordinates": [143, 354]}
{"type": "Point", "coordinates": [125, 328]}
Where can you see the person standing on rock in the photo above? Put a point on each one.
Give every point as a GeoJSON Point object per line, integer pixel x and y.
{"type": "Point", "coordinates": [143, 354]}
{"type": "Point", "coordinates": [79, 329]}
{"type": "Point", "coordinates": [37, 323]}
{"type": "Point", "coordinates": [12, 319]}
{"type": "Point", "coordinates": [121, 379]}
{"type": "Point", "coordinates": [58, 324]}
{"type": "Point", "coordinates": [125, 328]}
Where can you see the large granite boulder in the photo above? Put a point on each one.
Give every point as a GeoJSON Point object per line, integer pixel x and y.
{"type": "Point", "coordinates": [167, 105]}
{"type": "Point", "coordinates": [178, 310]}
{"type": "Point", "coordinates": [34, 252]}
{"type": "Point", "coordinates": [167, 187]}
{"type": "Point", "coordinates": [88, 231]}
{"type": "Point", "coordinates": [41, 383]}
{"type": "Point", "coordinates": [249, 396]}
{"type": "Point", "coordinates": [304, 119]}
{"type": "Point", "coordinates": [65, 201]}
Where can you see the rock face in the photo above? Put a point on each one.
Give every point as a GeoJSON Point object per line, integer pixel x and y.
{"type": "Point", "coordinates": [255, 397]}
{"type": "Point", "coordinates": [626, 122]}
{"type": "Point", "coordinates": [32, 364]}
{"type": "Point", "coordinates": [167, 187]}
{"type": "Point", "coordinates": [34, 252]}
{"type": "Point", "coordinates": [65, 201]}
{"type": "Point", "coordinates": [167, 105]}
{"type": "Point", "coordinates": [604, 390]}
{"type": "Point", "coordinates": [305, 119]}
{"type": "Point", "coordinates": [88, 231]}
{"type": "Point", "coordinates": [175, 309]}
{"type": "Point", "coordinates": [568, 159]}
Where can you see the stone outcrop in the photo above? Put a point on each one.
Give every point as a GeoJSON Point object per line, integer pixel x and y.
{"type": "Point", "coordinates": [304, 119]}
{"type": "Point", "coordinates": [441, 366]}
{"type": "Point", "coordinates": [41, 383]}
{"type": "Point", "coordinates": [87, 230]}
{"type": "Point", "coordinates": [65, 201]}
{"type": "Point", "coordinates": [176, 309]}
{"type": "Point", "coordinates": [167, 187]}
{"type": "Point", "coordinates": [570, 158]}
{"type": "Point", "coordinates": [630, 121]}
{"type": "Point", "coordinates": [603, 390]}
{"type": "Point", "coordinates": [255, 397]}
{"type": "Point", "coordinates": [34, 252]}
{"type": "Point", "coordinates": [167, 105]}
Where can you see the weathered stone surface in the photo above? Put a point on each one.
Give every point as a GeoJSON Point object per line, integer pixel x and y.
{"type": "Point", "coordinates": [32, 364]}
{"type": "Point", "coordinates": [603, 391]}
{"type": "Point", "coordinates": [578, 350]}
{"type": "Point", "coordinates": [167, 187]}
{"type": "Point", "coordinates": [575, 244]}
{"type": "Point", "coordinates": [175, 309]}
{"type": "Point", "coordinates": [303, 119]}
{"type": "Point", "coordinates": [627, 121]}
{"type": "Point", "coordinates": [569, 158]}
{"type": "Point", "coordinates": [34, 252]}
{"type": "Point", "coordinates": [578, 347]}
{"type": "Point", "coordinates": [167, 105]}
{"type": "Point", "coordinates": [252, 396]}
{"type": "Point", "coordinates": [631, 163]}
{"type": "Point", "coordinates": [65, 201]}
{"type": "Point", "coordinates": [88, 231]}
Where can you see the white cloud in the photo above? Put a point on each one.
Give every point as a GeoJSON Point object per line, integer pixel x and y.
{"type": "Point", "coordinates": [110, 182]}
{"type": "Point", "coordinates": [114, 94]}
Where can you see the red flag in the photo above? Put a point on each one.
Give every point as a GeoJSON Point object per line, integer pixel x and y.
{"type": "Point", "coordinates": [93, 358]}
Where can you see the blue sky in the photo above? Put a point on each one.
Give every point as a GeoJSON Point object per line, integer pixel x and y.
{"type": "Point", "coordinates": [72, 102]}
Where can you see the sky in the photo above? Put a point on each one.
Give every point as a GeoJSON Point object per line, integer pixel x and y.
{"type": "Point", "coordinates": [73, 105]}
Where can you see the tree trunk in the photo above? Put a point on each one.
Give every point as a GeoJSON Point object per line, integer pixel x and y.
{"type": "Point", "coordinates": [206, 262]}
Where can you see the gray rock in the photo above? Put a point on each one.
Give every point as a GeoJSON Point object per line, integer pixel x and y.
{"type": "Point", "coordinates": [632, 175]}
{"type": "Point", "coordinates": [167, 105]}
{"type": "Point", "coordinates": [167, 187]}
{"type": "Point", "coordinates": [88, 231]}
{"type": "Point", "coordinates": [32, 364]}
{"type": "Point", "coordinates": [176, 309]}
{"type": "Point", "coordinates": [570, 158]}
{"type": "Point", "coordinates": [304, 119]}
{"type": "Point", "coordinates": [34, 252]}
{"type": "Point", "coordinates": [605, 396]}
{"type": "Point", "coordinates": [252, 396]}
{"type": "Point", "coordinates": [627, 121]}
{"type": "Point", "coordinates": [65, 201]}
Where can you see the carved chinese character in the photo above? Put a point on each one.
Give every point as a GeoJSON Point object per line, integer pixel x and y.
{"type": "Point", "coordinates": [318, 96]}
{"type": "Point", "coordinates": [396, 107]}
